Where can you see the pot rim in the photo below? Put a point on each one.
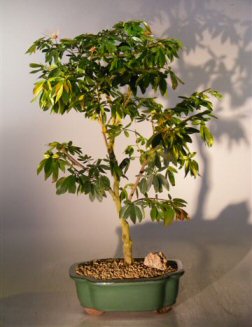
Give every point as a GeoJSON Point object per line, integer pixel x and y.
{"type": "Point", "coordinates": [72, 273]}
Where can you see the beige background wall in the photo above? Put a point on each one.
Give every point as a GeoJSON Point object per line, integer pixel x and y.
{"type": "Point", "coordinates": [42, 234]}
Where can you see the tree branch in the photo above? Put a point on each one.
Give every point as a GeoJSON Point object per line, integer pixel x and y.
{"type": "Point", "coordinates": [127, 97]}
{"type": "Point", "coordinates": [104, 134]}
{"type": "Point", "coordinates": [111, 154]}
{"type": "Point", "coordinates": [132, 131]}
{"type": "Point", "coordinates": [151, 198]}
{"type": "Point", "coordinates": [137, 181]}
{"type": "Point", "coordinates": [73, 160]}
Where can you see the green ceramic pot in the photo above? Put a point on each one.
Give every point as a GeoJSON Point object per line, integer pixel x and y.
{"type": "Point", "coordinates": [145, 294]}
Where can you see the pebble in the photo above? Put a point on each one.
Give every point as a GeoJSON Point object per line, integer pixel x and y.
{"type": "Point", "coordinates": [156, 260]}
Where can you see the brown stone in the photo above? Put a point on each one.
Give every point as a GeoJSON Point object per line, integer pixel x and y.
{"type": "Point", "coordinates": [156, 260]}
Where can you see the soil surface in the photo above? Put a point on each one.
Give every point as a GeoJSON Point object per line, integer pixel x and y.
{"type": "Point", "coordinates": [105, 269]}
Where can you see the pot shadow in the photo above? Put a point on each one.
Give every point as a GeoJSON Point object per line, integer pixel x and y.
{"type": "Point", "coordinates": [62, 309]}
{"type": "Point", "coordinates": [129, 319]}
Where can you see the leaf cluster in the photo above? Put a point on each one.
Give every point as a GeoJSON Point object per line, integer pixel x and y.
{"type": "Point", "coordinates": [163, 210]}
{"type": "Point", "coordinates": [77, 71]}
{"type": "Point", "coordinates": [105, 77]}
{"type": "Point", "coordinates": [85, 175]}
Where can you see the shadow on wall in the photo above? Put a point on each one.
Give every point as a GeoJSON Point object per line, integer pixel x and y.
{"type": "Point", "coordinates": [208, 248]}
{"type": "Point", "coordinates": [221, 42]}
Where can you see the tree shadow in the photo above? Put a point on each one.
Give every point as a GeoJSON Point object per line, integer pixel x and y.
{"type": "Point", "coordinates": [219, 47]}
{"type": "Point", "coordinates": [208, 248]}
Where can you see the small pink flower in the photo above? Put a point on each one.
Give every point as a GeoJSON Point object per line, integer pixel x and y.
{"type": "Point", "coordinates": [55, 36]}
{"type": "Point", "coordinates": [92, 50]}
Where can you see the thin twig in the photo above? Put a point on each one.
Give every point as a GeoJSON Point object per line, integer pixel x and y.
{"type": "Point", "coordinates": [151, 198]}
{"type": "Point", "coordinates": [132, 131]}
{"type": "Point", "coordinates": [73, 160]}
{"type": "Point", "coordinates": [139, 176]}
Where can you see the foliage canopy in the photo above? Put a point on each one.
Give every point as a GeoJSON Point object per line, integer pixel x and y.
{"type": "Point", "coordinates": [106, 77]}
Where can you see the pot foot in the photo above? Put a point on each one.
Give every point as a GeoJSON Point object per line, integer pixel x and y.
{"type": "Point", "coordinates": [93, 312]}
{"type": "Point", "coordinates": [164, 310]}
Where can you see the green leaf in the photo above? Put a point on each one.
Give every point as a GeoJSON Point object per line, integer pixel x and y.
{"type": "Point", "coordinates": [32, 49]}
{"type": "Point", "coordinates": [115, 169]}
{"type": "Point", "coordinates": [105, 182]}
{"type": "Point", "coordinates": [38, 88]}
{"type": "Point", "coordinates": [132, 214]}
{"type": "Point", "coordinates": [179, 202]}
{"type": "Point", "coordinates": [153, 213]}
{"type": "Point", "coordinates": [123, 211]}
{"type": "Point", "coordinates": [160, 57]}
{"type": "Point", "coordinates": [172, 169]}
{"type": "Point", "coordinates": [173, 80]}
{"type": "Point", "coordinates": [194, 168]}
{"type": "Point", "coordinates": [157, 161]}
{"type": "Point", "coordinates": [48, 167]}
{"type": "Point", "coordinates": [59, 92]}
{"type": "Point", "coordinates": [143, 187]}
{"type": "Point", "coordinates": [149, 182]}
{"type": "Point", "coordinates": [123, 195]}
{"type": "Point", "coordinates": [215, 93]}
{"type": "Point", "coordinates": [126, 133]}
{"type": "Point", "coordinates": [34, 65]}
{"type": "Point", "coordinates": [61, 188]}
{"type": "Point", "coordinates": [139, 213]}
{"type": "Point", "coordinates": [71, 184]}
{"type": "Point", "coordinates": [129, 150]}
{"type": "Point", "coordinates": [124, 165]}
{"type": "Point", "coordinates": [171, 178]}
{"type": "Point", "coordinates": [98, 193]}
{"type": "Point", "coordinates": [156, 184]}
{"type": "Point", "coordinates": [41, 166]}
{"type": "Point", "coordinates": [65, 184]}
{"type": "Point", "coordinates": [162, 85]}
{"type": "Point", "coordinates": [191, 130]}
{"type": "Point", "coordinates": [164, 181]}
{"type": "Point", "coordinates": [187, 167]}
{"type": "Point", "coordinates": [92, 196]}
{"type": "Point", "coordinates": [206, 135]}
{"type": "Point", "coordinates": [62, 165]}
{"type": "Point", "coordinates": [55, 170]}
{"type": "Point", "coordinates": [155, 140]}
{"type": "Point", "coordinates": [169, 215]}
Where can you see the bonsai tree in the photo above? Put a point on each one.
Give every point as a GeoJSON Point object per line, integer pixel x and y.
{"type": "Point", "coordinates": [107, 77]}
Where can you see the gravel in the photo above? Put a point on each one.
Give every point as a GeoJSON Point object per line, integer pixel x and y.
{"type": "Point", "coordinates": [106, 269]}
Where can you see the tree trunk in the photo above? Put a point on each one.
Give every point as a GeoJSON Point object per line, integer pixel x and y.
{"type": "Point", "coordinates": [126, 239]}
{"type": "Point", "coordinates": [127, 242]}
